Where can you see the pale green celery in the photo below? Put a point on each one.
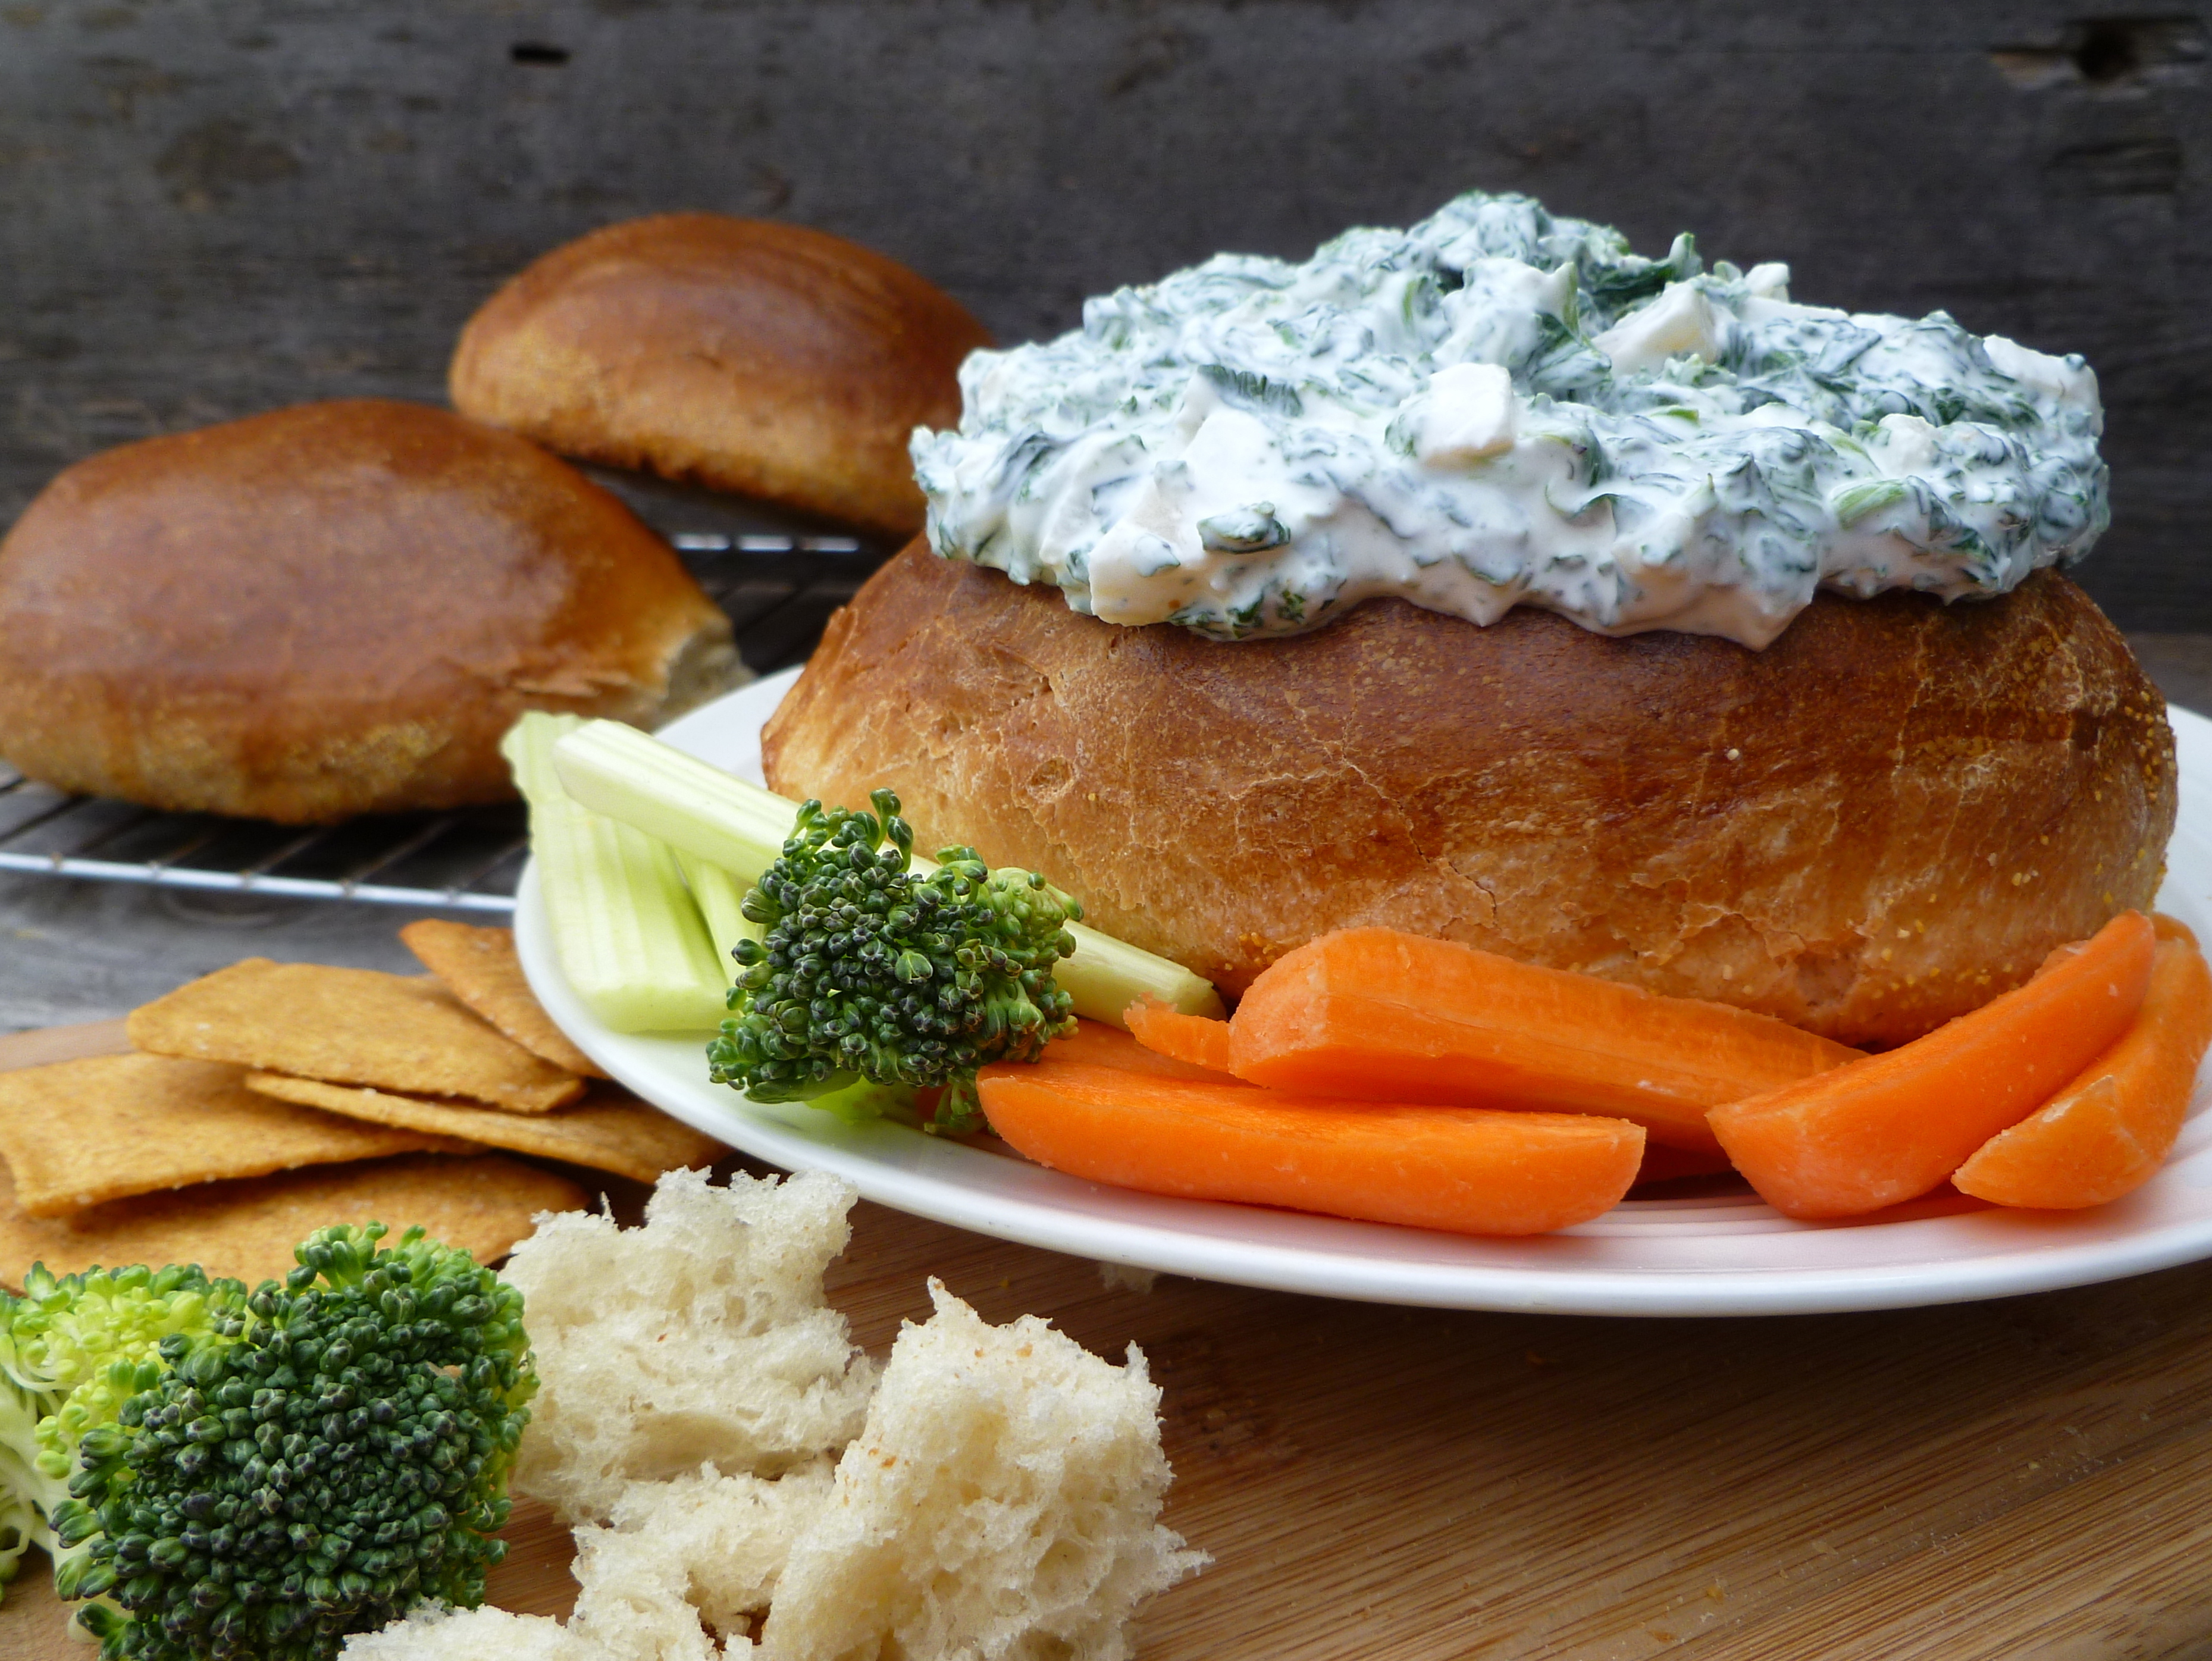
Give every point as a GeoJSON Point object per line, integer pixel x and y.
{"type": "Point", "coordinates": [699, 809]}
{"type": "Point", "coordinates": [628, 938]}
{"type": "Point", "coordinates": [720, 900]}
{"type": "Point", "coordinates": [687, 803]}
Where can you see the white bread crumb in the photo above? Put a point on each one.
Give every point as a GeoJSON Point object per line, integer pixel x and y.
{"type": "Point", "coordinates": [435, 1632]}
{"type": "Point", "coordinates": [700, 1335]}
{"type": "Point", "coordinates": [1002, 1503]}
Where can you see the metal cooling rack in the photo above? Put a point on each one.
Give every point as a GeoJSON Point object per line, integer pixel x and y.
{"type": "Point", "coordinates": [779, 592]}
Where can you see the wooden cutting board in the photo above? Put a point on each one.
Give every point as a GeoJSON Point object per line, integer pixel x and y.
{"type": "Point", "coordinates": [2030, 1477]}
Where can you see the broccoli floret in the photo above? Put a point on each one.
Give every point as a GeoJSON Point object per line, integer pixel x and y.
{"type": "Point", "coordinates": [229, 1473]}
{"type": "Point", "coordinates": [869, 970]}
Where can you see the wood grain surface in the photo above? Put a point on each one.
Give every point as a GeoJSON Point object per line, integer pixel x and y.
{"type": "Point", "coordinates": [2026, 1477]}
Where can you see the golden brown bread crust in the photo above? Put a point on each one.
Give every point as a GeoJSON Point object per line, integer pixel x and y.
{"type": "Point", "coordinates": [1883, 819]}
{"type": "Point", "coordinates": [330, 610]}
{"type": "Point", "coordinates": [739, 354]}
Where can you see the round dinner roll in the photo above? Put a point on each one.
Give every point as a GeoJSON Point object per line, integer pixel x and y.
{"type": "Point", "coordinates": [332, 610]}
{"type": "Point", "coordinates": [1880, 821]}
{"type": "Point", "coordinates": [739, 354]}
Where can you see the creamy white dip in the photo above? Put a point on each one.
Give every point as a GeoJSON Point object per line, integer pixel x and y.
{"type": "Point", "coordinates": [1501, 408]}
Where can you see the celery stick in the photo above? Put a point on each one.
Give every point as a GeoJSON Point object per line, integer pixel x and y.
{"type": "Point", "coordinates": [1106, 976]}
{"type": "Point", "coordinates": [687, 803]}
{"type": "Point", "coordinates": [628, 938]}
{"type": "Point", "coordinates": [718, 899]}
{"type": "Point", "coordinates": [720, 819]}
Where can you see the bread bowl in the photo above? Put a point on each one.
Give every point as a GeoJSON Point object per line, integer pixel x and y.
{"type": "Point", "coordinates": [743, 355]}
{"type": "Point", "coordinates": [1489, 581]}
{"type": "Point", "coordinates": [1881, 819]}
{"type": "Point", "coordinates": [332, 610]}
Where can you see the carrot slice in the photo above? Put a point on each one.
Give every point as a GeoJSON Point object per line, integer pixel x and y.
{"type": "Point", "coordinates": [1094, 1043]}
{"type": "Point", "coordinates": [1192, 1038]}
{"type": "Point", "coordinates": [1392, 1017]}
{"type": "Point", "coordinates": [1465, 1169]}
{"type": "Point", "coordinates": [2109, 1129]}
{"type": "Point", "coordinates": [1893, 1126]}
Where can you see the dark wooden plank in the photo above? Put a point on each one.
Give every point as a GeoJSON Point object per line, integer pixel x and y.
{"type": "Point", "coordinates": [208, 207]}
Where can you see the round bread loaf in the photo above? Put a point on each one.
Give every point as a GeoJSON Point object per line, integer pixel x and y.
{"type": "Point", "coordinates": [332, 610]}
{"type": "Point", "coordinates": [738, 353]}
{"type": "Point", "coordinates": [1879, 822]}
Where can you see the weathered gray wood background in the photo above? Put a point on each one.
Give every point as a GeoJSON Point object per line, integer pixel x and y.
{"type": "Point", "coordinates": [209, 207]}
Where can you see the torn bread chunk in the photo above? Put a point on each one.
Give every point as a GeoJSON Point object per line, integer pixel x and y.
{"type": "Point", "coordinates": [631, 1605]}
{"type": "Point", "coordinates": [700, 1336]}
{"type": "Point", "coordinates": [1002, 1500]}
{"type": "Point", "coordinates": [431, 1632]}
{"type": "Point", "coordinates": [731, 1535]}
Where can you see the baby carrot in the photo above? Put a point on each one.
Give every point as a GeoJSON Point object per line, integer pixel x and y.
{"type": "Point", "coordinates": [1094, 1043]}
{"type": "Point", "coordinates": [1890, 1127]}
{"type": "Point", "coordinates": [1467, 1170]}
{"type": "Point", "coordinates": [1388, 1016]}
{"type": "Point", "coordinates": [1167, 1032]}
{"type": "Point", "coordinates": [2109, 1129]}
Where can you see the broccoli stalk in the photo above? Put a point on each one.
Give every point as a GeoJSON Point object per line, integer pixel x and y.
{"type": "Point", "coordinates": [250, 1475]}
{"type": "Point", "coordinates": [869, 970]}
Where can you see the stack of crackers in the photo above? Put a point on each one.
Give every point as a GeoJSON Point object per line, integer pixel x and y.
{"type": "Point", "coordinates": [267, 1100]}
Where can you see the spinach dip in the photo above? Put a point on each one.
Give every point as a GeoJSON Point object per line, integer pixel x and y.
{"type": "Point", "coordinates": [1501, 408]}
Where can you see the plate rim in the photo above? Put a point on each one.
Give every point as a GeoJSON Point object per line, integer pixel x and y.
{"type": "Point", "coordinates": [2024, 1253]}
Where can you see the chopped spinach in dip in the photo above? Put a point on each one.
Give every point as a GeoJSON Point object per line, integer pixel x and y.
{"type": "Point", "coordinates": [1501, 408]}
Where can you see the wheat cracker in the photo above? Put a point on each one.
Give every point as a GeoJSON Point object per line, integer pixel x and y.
{"type": "Point", "coordinates": [76, 1133]}
{"type": "Point", "coordinates": [349, 1026]}
{"type": "Point", "coordinates": [481, 967]}
{"type": "Point", "coordinates": [246, 1229]}
{"type": "Point", "coordinates": [608, 1130]}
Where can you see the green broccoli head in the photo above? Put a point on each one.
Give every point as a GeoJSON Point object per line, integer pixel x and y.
{"type": "Point", "coordinates": [869, 970]}
{"type": "Point", "coordinates": [69, 1350]}
{"type": "Point", "coordinates": [257, 1474]}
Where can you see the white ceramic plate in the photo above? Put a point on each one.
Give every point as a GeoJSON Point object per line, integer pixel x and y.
{"type": "Point", "coordinates": [1727, 1255]}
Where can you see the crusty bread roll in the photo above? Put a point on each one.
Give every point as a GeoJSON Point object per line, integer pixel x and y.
{"type": "Point", "coordinates": [1880, 821]}
{"type": "Point", "coordinates": [739, 354]}
{"type": "Point", "coordinates": [332, 610]}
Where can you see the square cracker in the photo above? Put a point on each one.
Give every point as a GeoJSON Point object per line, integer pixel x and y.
{"type": "Point", "coordinates": [479, 966]}
{"type": "Point", "coordinates": [609, 1130]}
{"type": "Point", "coordinates": [246, 1229]}
{"type": "Point", "coordinates": [76, 1133]}
{"type": "Point", "coordinates": [349, 1026]}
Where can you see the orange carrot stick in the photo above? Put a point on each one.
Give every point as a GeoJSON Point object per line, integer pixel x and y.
{"type": "Point", "coordinates": [2109, 1129]}
{"type": "Point", "coordinates": [1465, 1169]}
{"type": "Point", "coordinates": [1094, 1043]}
{"type": "Point", "coordinates": [1192, 1038]}
{"type": "Point", "coordinates": [1893, 1126]}
{"type": "Point", "coordinates": [1375, 1013]}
